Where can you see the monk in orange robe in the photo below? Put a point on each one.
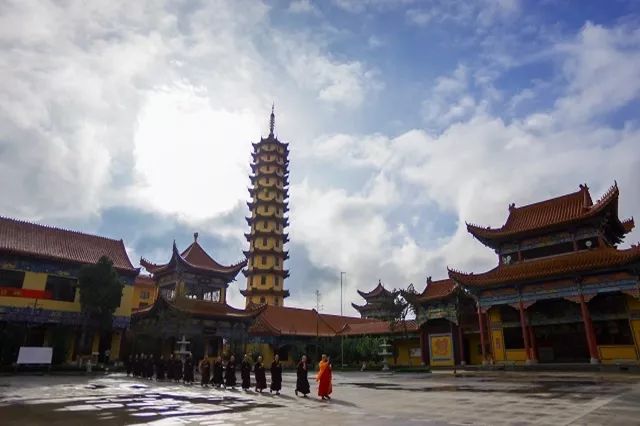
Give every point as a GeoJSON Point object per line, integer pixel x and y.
{"type": "Point", "coordinates": [324, 378]}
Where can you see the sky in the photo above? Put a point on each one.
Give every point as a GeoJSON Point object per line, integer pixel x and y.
{"type": "Point", "coordinates": [405, 120]}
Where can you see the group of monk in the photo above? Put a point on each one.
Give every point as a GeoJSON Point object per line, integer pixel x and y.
{"type": "Point", "coordinates": [223, 374]}
{"type": "Point", "coordinates": [172, 368]}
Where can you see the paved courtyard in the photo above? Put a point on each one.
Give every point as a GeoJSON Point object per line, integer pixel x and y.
{"type": "Point", "coordinates": [359, 398]}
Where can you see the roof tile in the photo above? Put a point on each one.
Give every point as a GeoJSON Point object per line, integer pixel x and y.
{"type": "Point", "coordinates": [31, 239]}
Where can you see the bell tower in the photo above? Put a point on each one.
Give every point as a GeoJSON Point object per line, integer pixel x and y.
{"type": "Point", "coordinates": [269, 193]}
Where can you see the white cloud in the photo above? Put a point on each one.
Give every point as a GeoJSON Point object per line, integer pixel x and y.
{"type": "Point", "coordinates": [472, 169]}
{"type": "Point", "coordinates": [303, 6]}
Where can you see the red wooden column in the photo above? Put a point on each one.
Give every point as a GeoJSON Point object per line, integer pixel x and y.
{"type": "Point", "coordinates": [480, 326]}
{"type": "Point", "coordinates": [532, 341]}
{"type": "Point", "coordinates": [490, 353]}
{"type": "Point", "coordinates": [525, 334]}
{"type": "Point", "coordinates": [588, 329]}
{"type": "Point", "coordinates": [461, 346]}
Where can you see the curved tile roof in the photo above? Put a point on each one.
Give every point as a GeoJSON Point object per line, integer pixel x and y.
{"type": "Point", "coordinates": [549, 267]}
{"type": "Point", "coordinates": [31, 239]}
{"type": "Point", "coordinates": [557, 211]}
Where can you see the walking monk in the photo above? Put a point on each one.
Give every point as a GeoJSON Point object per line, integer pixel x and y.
{"type": "Point", "coordinates": [276, 375]}
{"type": "Point", "coordinates": [218, 369]}
{"type": "Point", "coordinates": [205, 372]}
{"type": "Point", "coordinates": [302, 383]}
{"type": "Point", "coordinates": [261, 378]}
{"type": "Point", "coordinates": [324, 378]}
{"type": "Point", "coordinates": [245, 372]}
{"type": "Point", "coordinates": [230, 373]}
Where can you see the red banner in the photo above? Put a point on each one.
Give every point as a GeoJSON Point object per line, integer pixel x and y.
{"type": "Point", "coordinates": [24, 292]}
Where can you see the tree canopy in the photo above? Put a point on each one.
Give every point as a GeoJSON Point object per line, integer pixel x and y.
{"type": "Point", "coordinates": [100, 291]}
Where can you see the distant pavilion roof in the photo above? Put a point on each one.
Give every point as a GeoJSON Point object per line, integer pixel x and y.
{"type": "Point", "coordinates": [196, 259]}
{"type": "Point", "coordinates": [555, 213]}
{"type": "Point", "coordinates": [30, 239]}
{"type": "Point", "coordinates": [379, 290]}
{"type": "Point", "coordinates": [285, 321]}
{"type": "Point", "coordinates": [197, 308]}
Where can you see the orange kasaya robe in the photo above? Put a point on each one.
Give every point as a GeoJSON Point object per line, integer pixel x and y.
{"type": "Point", "coordinates": [324, 379]}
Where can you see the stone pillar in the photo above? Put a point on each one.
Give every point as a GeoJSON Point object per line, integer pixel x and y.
{"type": "Point", "coordinates": [590, 334]}
{"type": "Point", "coordinates": [525, 334]}
{"type": "Point", "coordinates": [461, 346]}
{"type": "Point", "coordinates": [482, 345]}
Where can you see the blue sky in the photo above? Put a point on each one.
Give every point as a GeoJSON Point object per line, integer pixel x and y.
{"type": "Point", "coordinates": [405, 119]}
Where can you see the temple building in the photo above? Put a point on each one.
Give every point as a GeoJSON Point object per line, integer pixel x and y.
{"type": "Point", "coordinates": [265, 270]}
{"type": "Point", "coordinates": [191, 304]}
{"type": "Point", "coordinates": [449, 331]}
{"type": "Point", "coordinates": [39, 295]}
{"type": "Point", "coordinates": [561, 292]}
{"type": "Point", "coordinates": [144, 292]}
{"type": "Point", "coordinates": [378, 303]}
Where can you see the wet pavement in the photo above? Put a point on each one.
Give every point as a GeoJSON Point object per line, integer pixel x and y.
{"type": "Point", "coordinates": [488, 398]}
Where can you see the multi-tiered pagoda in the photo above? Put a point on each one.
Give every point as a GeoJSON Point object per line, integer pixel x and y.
{"type": "Point", "coordinates": [266, 255]}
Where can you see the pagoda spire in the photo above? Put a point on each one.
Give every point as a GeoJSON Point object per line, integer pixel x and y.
{"type": "Point", "coordinates": [272, 121]}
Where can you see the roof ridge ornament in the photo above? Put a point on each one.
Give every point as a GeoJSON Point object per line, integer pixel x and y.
{"type": "Point", "coordinates": [195, 237]}
{"type": "Point", "coordinates": [512, 207]}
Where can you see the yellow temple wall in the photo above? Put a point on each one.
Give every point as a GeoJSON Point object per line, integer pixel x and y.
{"type": "Point", "coordinates": [263, 349]}
{"type": "Point", "coordinates": [404, 348]}
{"type": "Point", "coordinates": [38, 280]}
{"type": "Point", "coordinates": [497, 336]}
{"type": "Point", "coordinates": [138, 299]}
{"type": "Point", "coordinates": [612, 354]}
{"type": "Point", "coordinates": [518, 356]}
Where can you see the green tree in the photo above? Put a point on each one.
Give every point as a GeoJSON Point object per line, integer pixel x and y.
{"type": "Point", "coordinates": [100, 295]}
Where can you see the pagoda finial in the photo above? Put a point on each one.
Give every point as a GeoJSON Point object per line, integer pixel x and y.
{"type": "Point", "coordinates": [195, 237]}
{"type": "Point", "coordinates": [272, 121]}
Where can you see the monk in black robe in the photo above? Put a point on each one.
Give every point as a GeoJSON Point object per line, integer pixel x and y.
{"type": "Point", "coordinates": [245, 372]}
{"type": "Point", "coordinates": [276, 375]}
{"type": "Point", "coordinates": [137, 361]}
{"type": "Point", "coordinates": [302, 382]}
{"type": "Point", "coordinates": [188, 370]}
{"type": "Point", "coordinates": [143, 366]}
{"type": "Point", "coordinates": [230, 373]}
{"type": "Point", "coordinates": [205, 372]}
{"type": "Point", "coordinates": [129, 365]}
{"type": "Point", "coordinates": [170, 367]}
{"type": "Point", "coordinates": [160, 368]}
{"type": "Point", "coordinates": [177, 369]}
{"type": "Point", "coordinates": [218, 369]}
{"type": "Point", "coordinates": [150, 367]}
{"type": "Point", "coordinates": [261, 378]}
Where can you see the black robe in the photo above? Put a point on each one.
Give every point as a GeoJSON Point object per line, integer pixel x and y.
{"type": "Point", "coordinates": [245, 373]}
{"type": "Point", "coordinates": [129, 365]}
{"type": "Point", "coordinates": [160, 369]}
{"type": "Point", "coordinates": [217, 373]}
{"type": "Point", "coordinates": [170, 368]}
{"type": "Point", "coordinates": [261, 378]}
{"type": "Point", "coordinates": [136, 366]}
{"type": "Point", "coordinates": [177, 369]}
{"type": "Point", "coordinates": [276, 376]}
{"type": "Point", "coordinates": [149, 368]}
{"type": "Point", "coordinates": [302, 382]}
{"type": "Point", "coordinates": [205, 372]}
{"type": "Point", "coordinates": [188, 370]}
{"type": "Point", "coordinates": [230, 374]}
